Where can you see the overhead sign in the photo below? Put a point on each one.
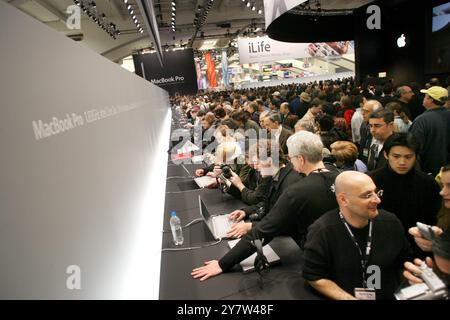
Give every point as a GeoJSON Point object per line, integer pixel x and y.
{"type": "Point", "coordinates": [264, 49]}
{"type": "Point", "coordinates": [178, 74]}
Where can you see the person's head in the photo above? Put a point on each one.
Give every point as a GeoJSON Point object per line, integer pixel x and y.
{"type": "Point", "coordinates": [272, 121]}
{"type": "Point", "coordinates": [345, 152]}
{"type": "Point", "coordinates": [252, 107]}
{"type": "Point", "coordinates": [368, 107]}
{"type": "Point", "coordinates": [381, 124]}
{"type": "Point", "coordinates": [227, 152]}
{"type": "Point", "coordinates": [240, 117]}
{"type": "Point", "coordinates": [400, 151]}
{"type": "Point", "coordinates": [284, 108]}
{"type": "Point", "coordinates": [304, 148]}
{"type": "Point", "coordinates": [266, 156]}
{"type": "Point", "coordinates": [260, 104]}
{"type": "Point", "coordinates": [274, 104]}
{"type": "Point", "coordinates": [404, 93]}
{"type": "Point", "coordinates": [325, 121]}
{"type": "Point", "coordinates": [304, 124]}
{"type": "Point", "coordinates": [262, 116]}
{"type": "Point", "coordinates": [441, 251]}
{"type": "Point", "coordinates": [316, 106]}
{"type": "Point", "coordinates": [208, 120]}
{"type": "Point", "coordinates": [357, 197]}
{"type": "Point", "coordinates": [236, 104]}
{"type": "Point", "coordinates": [194, 111]}
{"type": "Point", "coordinates": [395, 108]}
{"type": "Point", "coordinates": [434, 97]}
{"type": "Point", "coordinates": [220, 112]}
{"type": "Point", "coordinates": [305, 97]}
{"type": "Point", "coordinates": [223, 133]}
{"type": "Point", "coordinates": [346, 102]}
{"type": "Point", "coordinates": [445, 192]}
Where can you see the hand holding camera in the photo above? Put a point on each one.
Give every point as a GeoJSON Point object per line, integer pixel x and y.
{"type": "Point", "coordinates": [420, 239]}
{"type": "Point", "coordinates": [431, 287]}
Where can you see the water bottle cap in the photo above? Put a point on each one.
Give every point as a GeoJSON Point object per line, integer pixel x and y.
{"type": "Point", "coordinates": [173, 213]}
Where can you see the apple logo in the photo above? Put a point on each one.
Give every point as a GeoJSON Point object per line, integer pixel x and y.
{"type": "Point", "coordinates": [401, 41]}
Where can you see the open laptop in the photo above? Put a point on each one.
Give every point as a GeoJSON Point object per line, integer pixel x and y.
{"type": "Point", "coordinates": [205, 181]}
{"type": "Point", "coordinates": [248, 265]}
{"type": "Point", "coordinates": [219, 225]}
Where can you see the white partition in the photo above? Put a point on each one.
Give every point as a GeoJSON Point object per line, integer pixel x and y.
{"type": "Point", "coordinates": [83, 154]}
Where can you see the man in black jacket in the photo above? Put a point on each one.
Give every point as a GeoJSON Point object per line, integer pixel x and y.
{"type": "Point", "coordinates": [410, 194]}
{"type": "Point", "coordinates": [299, 206]}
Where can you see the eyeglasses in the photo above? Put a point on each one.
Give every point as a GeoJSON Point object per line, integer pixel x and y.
{"type": "Point", "coordinates": [368, 196]}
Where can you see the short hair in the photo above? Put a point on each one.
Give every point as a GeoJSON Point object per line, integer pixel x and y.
{"type": "Point", "coordinates": [400, 90]}
{"type": "Point", "coordinates": [263, 150]}
{"type": "Point", "coordinates": [209, 117]}
{"type": "Point", "coordinates": [306, 144]}
{"type": "Point", "coordinates": [325, 121]}
{"type": "Point", "coordinates": [219, 112]}
{"type": "Point", "coordinates": [307, 125]}
{"type": "Point", "coordinates": [284, 104]}
{"type": "Point", "coordinates": [239, 116]}
{"type": "Point", "coordinates": [346, 152]}
{"type": "Point", "coordinates": [402, 139]}
{"type": "Point", "coordinates": [253, 106]}
{"type": "Point", "coordinates": [386, 115]}
{"type": "Point", "coordinates": [446, 168]}
{"type": "Point", "coordinates": [315, 103]}
{"type": "Point", "coordinates": [274, 117]}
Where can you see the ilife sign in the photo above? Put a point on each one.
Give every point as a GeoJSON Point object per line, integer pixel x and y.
{"type": "Point", "coordinates": [258, 47]}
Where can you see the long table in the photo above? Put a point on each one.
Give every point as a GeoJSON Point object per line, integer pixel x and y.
{"type": "Point", "coordinates": [284, 281]}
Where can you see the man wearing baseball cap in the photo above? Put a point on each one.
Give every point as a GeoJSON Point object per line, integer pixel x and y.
{"type": "Point", "coordinates": [432, 130]}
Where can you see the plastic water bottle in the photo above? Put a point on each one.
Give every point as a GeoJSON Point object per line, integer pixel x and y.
{"type": "Point", "coordinates": [177, 231]}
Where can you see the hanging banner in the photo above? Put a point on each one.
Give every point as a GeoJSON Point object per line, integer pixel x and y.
{"type": "Point", "coordinates": [264, 49]}
{"type": "Point", "coordinates": [198, 70]}
{"type": "Point", "coordinates": [210, 71]}
{"type": "Point", "coordinates": [177, 75]}
{"type": "Point", "coordinates": [225, 77]}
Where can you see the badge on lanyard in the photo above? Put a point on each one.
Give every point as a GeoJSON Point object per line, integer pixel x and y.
{"type": "Point", "coordinates": [365, 294]}
{"type": "Point", "coordinates": [365, 152]}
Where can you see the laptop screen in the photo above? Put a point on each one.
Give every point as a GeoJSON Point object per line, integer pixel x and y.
{"type": "Point", "coordinates": [206, 215]}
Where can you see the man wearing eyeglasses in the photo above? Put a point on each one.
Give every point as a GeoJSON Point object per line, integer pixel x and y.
{"type": "Point", "coordinates": [355, 251]}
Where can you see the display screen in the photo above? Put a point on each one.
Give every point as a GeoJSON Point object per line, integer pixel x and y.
{"type": "Point", "coordinates": [438, 53]}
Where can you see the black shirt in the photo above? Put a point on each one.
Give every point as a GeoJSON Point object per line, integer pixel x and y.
{"type": "Point", "coordinates": [298, 207]}
{"type": "Point", "coordinates": [331, 254]}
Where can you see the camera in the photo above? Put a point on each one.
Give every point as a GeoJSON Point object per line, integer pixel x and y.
{"type": "Point", "coordinates": [432, 288]}
{"type": "Point", "coordinates": [226, 171]}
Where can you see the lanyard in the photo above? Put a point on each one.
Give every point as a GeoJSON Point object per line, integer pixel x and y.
{"type": "Point", "coordinates": [364, 259]}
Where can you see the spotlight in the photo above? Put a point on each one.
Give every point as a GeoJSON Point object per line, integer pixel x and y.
{"type": "Point", "coordinates": [248, 4]}
{"type": "Point", "coordinates": [132, 12]}
{"type": "Point", "coordinates": [253, 8]}
{"type": "Point", "coordinates": [259, 11]}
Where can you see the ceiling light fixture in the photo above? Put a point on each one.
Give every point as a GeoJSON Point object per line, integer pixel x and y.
{"type": "Point", "coordinates": [90, 8]}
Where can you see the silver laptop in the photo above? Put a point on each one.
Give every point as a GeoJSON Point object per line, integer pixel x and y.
{"type": "Point", "coordinates": [204, 181]}
{"type": "Point", "coordinates": [248, 265]}
{"type": "Point", "coordinates": [219, 225]}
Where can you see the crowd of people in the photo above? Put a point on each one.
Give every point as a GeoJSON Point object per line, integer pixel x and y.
{"type": "Point", "coordinates": [346, 170]}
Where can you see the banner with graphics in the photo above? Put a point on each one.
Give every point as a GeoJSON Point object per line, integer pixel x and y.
{"type": "Point", "coordinates": [178, 74]}
{"type": "Point", "coordinates": [210, 71]}
{"type": "Point", "coordinates": [264, 49]}
{"type": "Point", "coordinates": [225, 77]}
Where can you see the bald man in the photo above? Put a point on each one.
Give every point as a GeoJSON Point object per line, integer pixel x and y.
{"type": "Point", "coordinates": [356, 251]}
